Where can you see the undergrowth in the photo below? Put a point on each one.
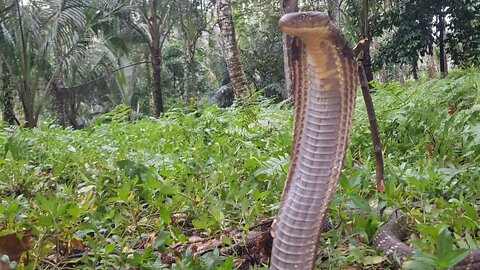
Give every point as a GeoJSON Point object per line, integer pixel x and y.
{"type": "Point", "coordinates": [120, 194]}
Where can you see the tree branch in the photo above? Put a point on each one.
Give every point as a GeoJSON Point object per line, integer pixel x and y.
{"type": "Point", "coordinates": [377, 145]}
{"type": "Point", "coordinates": [104, 75]}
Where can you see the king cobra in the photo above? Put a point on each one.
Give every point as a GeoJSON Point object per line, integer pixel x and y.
{"type": "Point", "coordinates": [324, 82]}
{"type": "Point", "coordinates": [324, 76]}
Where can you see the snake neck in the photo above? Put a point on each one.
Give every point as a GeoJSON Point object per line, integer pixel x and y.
{"type": "Point", "coordinates": [324, 93]}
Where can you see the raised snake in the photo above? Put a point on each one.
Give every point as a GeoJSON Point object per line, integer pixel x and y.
{"type": "Point", "coordinates": [324, 74]}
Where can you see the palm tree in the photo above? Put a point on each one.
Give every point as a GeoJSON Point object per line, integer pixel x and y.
{"type": "Point", "coordinates": [66, 26]}
{"type": "Point", "coordinates": [27, 33]}
{"type": "Point", "coordinates": [20, 40]}
{"type": "Point", "coordinates": [69, 32]}
{"type": "Point", "coordinates": [7, 96]}
{"type": "Point", "coordinates": [153, 21]}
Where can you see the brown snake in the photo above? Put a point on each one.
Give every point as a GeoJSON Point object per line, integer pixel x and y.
{"type": "Point", "coordinates": [324, 90]}
{"type": "Point", "coordinates": [324, 82]}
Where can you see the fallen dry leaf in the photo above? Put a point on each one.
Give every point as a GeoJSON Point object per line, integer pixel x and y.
{"type": "Point", "coordinates": [76, 244]}
{"type": "Point", "coordinates": [12, 246]}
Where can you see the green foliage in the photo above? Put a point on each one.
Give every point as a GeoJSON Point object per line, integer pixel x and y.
{"type": "Point", "coordinates": [412, 25]}
{"type": "Point", "coordinates": [121, 113]}
{"type": "Point", "coordinates": [260, 42]}
{"type": "Point", "coordinates": [411, 29]}
{"type": "Point", "coordinates": [464, 42]}
{"type": "Point", "coordinates": [431, 148]}
{"type": "Point", "coordinates": [445, 255]}
{"type": "Point", "coordinates": [115, 184]}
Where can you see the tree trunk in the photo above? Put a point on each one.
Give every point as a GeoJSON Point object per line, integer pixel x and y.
{"type": "Point", "coordinates": [334, 11]}
{"type": "Point", "coordinates": [190, 45]}
{"type": "Point", "coordinates": [186, 68]}
{"type": "Point", "coordinates": [383, 75]}
{"type": "Point", "coordinates": [358, 51]}
{"type": "Point", "coordinates": [7, 98]}
{"type": "Point", "coordinates": [366, 34]}
{"type": "Point", "coordinates": [155, 29]}
{"type": "Point", "coordinates": [400, 74]}
{"type": "Point", "coordinates": [58, 103]}
{"type": "Point", "coordinates": [189, 77]}
{"type": "Point", "coordinates": [230, 50]}
{"type": "Point", "coordinates": [157, 98]}
{"type": "Point", "coordinates": [288, 6]}
{"type": "Point", "coordinates": [26, 94]}
{"type": "Point", "coordinates": [441, 41]}
{"type": "Point", "coordinates": [431, 65]}
{"type": "Point", "coordinates": [27, 98]}
{"type": "Point", "coordinates": [367, 63]}
{"type": "Point", "coordinates": [73, 108]}
{"type": "Point", "coordinates": [29, 114]}
{"type": "Point", "coordinates": [58, 89]}
{"type": "Point", "coordinates": [372, 120]}
{"type": "Point", "coordinates": [193, 22]}
{"type": "Point", "coordinates": [415, 70]}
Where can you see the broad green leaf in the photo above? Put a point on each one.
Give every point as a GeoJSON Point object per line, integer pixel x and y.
{"type": "Point", "coordinates": [455, 256]}
{"type": "Point", "coordinates": [165, 215]}
{"type": "Point", "coordinates": [360, 202]}
{"type": "Point", "coordinates": [109, 248]}
{"type": "Point", "coordinates": [444, 244]}
{"type": "Point", "coordinates": [470, 211]}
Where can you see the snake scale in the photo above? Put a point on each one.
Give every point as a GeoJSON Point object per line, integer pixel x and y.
{"type": "Point", "coordinates": [324, 74]}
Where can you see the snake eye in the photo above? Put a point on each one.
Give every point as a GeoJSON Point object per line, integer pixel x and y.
{"type": "Point", "coordinates": [303, 17]}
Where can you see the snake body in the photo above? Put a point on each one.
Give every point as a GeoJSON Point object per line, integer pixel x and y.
{"type": "Point", "coordinates": [324, 93]}
{"type": "Point", "coordinates": [389, 239]}
{"type": "Point", "coordinates": [324, 82]}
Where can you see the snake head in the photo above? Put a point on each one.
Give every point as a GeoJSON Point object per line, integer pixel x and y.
{"type": "Point", "coordinates": [301, 23]}
{"type": "Point", "coordinates": [312, 26]}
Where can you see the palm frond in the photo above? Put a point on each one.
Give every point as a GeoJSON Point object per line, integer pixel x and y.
{"type": "Point", "coordinates": [66, 18]}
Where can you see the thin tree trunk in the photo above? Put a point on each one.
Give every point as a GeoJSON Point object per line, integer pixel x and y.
{"type": "Point", "coordinates": [193, 22]}
{"type": "Point", "coordinates": [367, 64]}
{"type": "Point", "coordinates": [191, 69]}
{"type": "Point", "coordinates": [26, 94]}
{"type": "Point", "coordinates": [230, 50]}
{"type": "Point", "coordinates": [58, 88]}
{"type": "Point", "coordinates": [441, 41]}
{"type": "Point", "coordinates": [28, 104]}
{"type": "Point", "coordinates": [372, 120]}
{"type": "Point", "coordinates": [73, 110]}
{"type": "Point", "coordinates": [190, 45]}
{"type": "Point", "coordinates": [186, 62]}
{"type": "Point", "coordinates": [383, 75]}
{"type": "Point", "coordinates": [431, 65]}
{"type": "Point", "coordinates": [30, 116]}
{"type": "Point", "coordinates": [400, 74]}
{"type": "Point", "coordinates": [415, 70]}
{"type": "Point", "coordinates": [155, 29]}
{"type": "Point", "coordinates": [58, 100]}
{"type": "Point", "coordinates": [289, 44]}
{"type": "Point", "coordinates": [7, 99]}
{"type": "Point", "coordinates": [334, 11]}
{"type": "Point", "coordinates": [359, 52]}
{"type": "Point", "coordinates": [157, 98]}
{"type": "Point", "coordinates": [366, 34]}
